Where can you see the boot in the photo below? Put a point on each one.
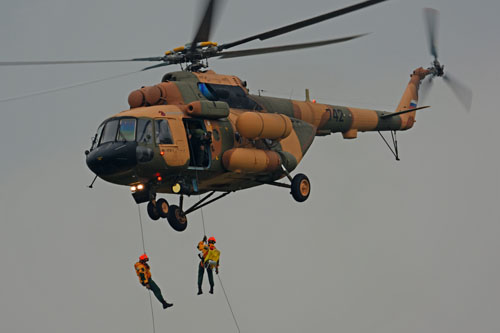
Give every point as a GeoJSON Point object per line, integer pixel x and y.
{"type": "Point", "coordinates": [211, 289]}
{"type": "Point", "coordinates": [167, 305]}
{"type": "Point", "coordinates": [200, 291]}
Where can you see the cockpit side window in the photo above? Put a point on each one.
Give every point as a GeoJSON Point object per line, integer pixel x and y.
{"type": "Point", "coordinates": [126, 131]}
{"type": "Point", "coordinates": [97, 137]}
{"type": "Point", "coordinates": [145, 131]}
{"type": "Point", "coordinates": [163, 134]}
{"type": "Point", "coordinates": [109, 132]}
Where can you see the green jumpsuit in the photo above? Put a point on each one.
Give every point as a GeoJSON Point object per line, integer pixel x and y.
{"type": "Point", "coordinates": [144, 274]}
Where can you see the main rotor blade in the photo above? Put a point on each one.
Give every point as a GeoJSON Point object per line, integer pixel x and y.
{"type": "Point", "coordinates": [302, 24]}
{"type": "Point", "coordinates": [203, 33]}
{"type": "Point", "coordinates": [463, 93]}
{"type": "Point", "coordinates": [432, 19]}
{"type": "Point", "coordinates": [156, 66]}
{"type": "Point", "coordinates": [66, 62]}
{"type": "Point", "coordinates": [43, 92]}
{"type": "Point", "coordinates": [248, 52]}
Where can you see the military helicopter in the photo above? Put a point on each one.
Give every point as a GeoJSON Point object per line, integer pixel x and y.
{"type": "Point", "coordinates": [201, 133]}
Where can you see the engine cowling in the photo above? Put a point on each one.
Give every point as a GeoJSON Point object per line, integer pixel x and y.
{"type": "Point", "coordinates": [249, 160]}
{"type": "Point", "coordinates": [256, 125]}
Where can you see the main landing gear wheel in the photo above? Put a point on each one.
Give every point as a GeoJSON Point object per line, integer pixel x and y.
{"type": "Point", "coordinates": [176, 218]}
{"type": "Point", "coordinates": [301, 187]}
{"type": "Point", "coordinates": [152, 211]}
{"type": "Point", "coordinates": [162, 208]}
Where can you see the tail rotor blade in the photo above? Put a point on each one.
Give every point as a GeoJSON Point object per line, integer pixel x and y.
{"type": "Point", "coordinates": [432, 19]}
{"type": "Point", "coordinates": [425, 88]}
{"type": "Point", "coordinates": [463, 93]}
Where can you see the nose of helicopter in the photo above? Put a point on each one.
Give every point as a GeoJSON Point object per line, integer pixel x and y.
{"type": "Point", "coordinates": [112, 158]}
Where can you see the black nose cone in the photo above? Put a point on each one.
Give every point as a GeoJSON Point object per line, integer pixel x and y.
{"type": "Point", "coordinates": [112, 158]}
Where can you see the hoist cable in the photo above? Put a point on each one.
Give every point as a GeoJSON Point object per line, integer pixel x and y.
{"type": "Point", "coordinates": [228, 303]}
{"type": "Point", "coordinates": [201, 209]}
{"type": "Point", "coordinates": [204, 234]}
{"type": "Point", "coordinates": [142, 231]}
{"type": "Point", "coordinates": [144, 249]}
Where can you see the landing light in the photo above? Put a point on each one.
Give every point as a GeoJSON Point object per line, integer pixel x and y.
{"type": "Point", "coordinates": [176, 188]}
{"type": "Point", "coordinates": [140, 187]}
{"type": "Point", "coordinates": [133, 189]}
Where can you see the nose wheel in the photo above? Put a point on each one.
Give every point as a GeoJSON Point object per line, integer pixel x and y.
{"type": "Point", "coordinates": [177, 218]}
{"type": "Point", "coordinates": [153, 211]}
{"type": "Point", "coordinates": [174, 214]}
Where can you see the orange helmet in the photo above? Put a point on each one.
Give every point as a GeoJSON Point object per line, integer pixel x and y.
{"type": "Point", "coordinates": [143, 257]}
{"type": "Point", "coordinates": [211, 239]}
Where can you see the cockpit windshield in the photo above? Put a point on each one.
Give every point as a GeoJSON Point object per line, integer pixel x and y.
{"type": "Point", "coordinates": [109, 132]}
{"type": "Point", "coordinates": [126, 131]}
{"type": "Point", "coordinates": [121, 130]}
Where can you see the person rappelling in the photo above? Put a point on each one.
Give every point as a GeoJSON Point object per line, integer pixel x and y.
{"type": "Point", "coordinates": [144, 273]}
{"type": "Point", "coordinates": [209, 256]}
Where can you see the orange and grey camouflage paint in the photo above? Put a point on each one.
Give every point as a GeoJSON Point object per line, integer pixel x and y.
{"type": "Point", "coordinates": [249, 147]}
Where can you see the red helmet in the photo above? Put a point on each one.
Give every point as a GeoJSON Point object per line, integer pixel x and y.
{"type": "Point", "coordinates": [143, 257]}
{"type": "Point", "coordinates": [211, 240]}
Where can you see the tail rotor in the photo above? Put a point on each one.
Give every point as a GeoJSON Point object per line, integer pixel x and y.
{"type": "Point", "coordinates": [462, 92]}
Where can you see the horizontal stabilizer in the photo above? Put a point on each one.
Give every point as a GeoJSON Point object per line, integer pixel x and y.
{"type": "Point", "coordinates": [385, 116]}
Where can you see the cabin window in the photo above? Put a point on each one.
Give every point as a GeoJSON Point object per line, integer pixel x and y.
{"type": "Point", "coordinates": [109, 132]}
{"type": "Point", "coordinates": [145, 131]}
{"type": "Point", "coordinates": [163, 134]}
{"type": "Point", "coordinates": [234, 96]}
{"type": "Point", "coordinates": [126, 131]}
{"type": "Point", "coordinates": [206, 91]}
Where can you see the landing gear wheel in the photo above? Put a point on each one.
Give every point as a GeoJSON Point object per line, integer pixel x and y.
{"type": "Point", "coordinates": [176, 218]}
{"type": "Point", "coordinates": [301, 187]}
{"type": "Point", "coordinates": [152, 211]}
{"type": "Point", "coordinates": [162, 208]}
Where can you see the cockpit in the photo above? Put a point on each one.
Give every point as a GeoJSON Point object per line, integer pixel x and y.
{"type": "Point", "coordinates": [128, 129]}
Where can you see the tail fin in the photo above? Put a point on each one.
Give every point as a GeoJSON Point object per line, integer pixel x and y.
{"type": "Point", "coordinates": [410, 98]}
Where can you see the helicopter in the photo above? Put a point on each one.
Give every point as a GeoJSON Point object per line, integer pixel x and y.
{"type": "Point", "coordinates": [202, 133]}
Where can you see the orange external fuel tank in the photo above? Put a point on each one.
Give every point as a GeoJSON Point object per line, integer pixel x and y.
{"type": "Point", "coordinates": [250, 160]}
{"type": "Point", "coordinates": [255, 125]}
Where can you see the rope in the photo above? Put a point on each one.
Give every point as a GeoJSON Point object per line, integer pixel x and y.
{"type": "Point", "coordinates": [144, 249]}
{"type": "Point", "coordinates": [202, 218]}
{"type": "Point", "coordinates": [152, 315]}
{"type": "Point", "coordinates": [201, 209]}
{"type": "Point", "coordinates": [142, 231]}
{"type": "Point", "coordinates": [205, 233]}
{"type": "Point", "coordinates": [229, 304]}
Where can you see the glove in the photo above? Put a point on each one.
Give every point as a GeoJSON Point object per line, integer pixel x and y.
{"type": "Point", "coordinates": [204, 238]}
{"type": "Point", "coordinates": [217, 270]}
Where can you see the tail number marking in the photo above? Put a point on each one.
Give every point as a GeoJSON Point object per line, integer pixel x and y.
{"type": "Point", "coordinates": [335, 115]}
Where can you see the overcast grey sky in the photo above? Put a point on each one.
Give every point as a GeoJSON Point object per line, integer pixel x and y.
{"type": "Point", "coordinates": [379, 246]}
